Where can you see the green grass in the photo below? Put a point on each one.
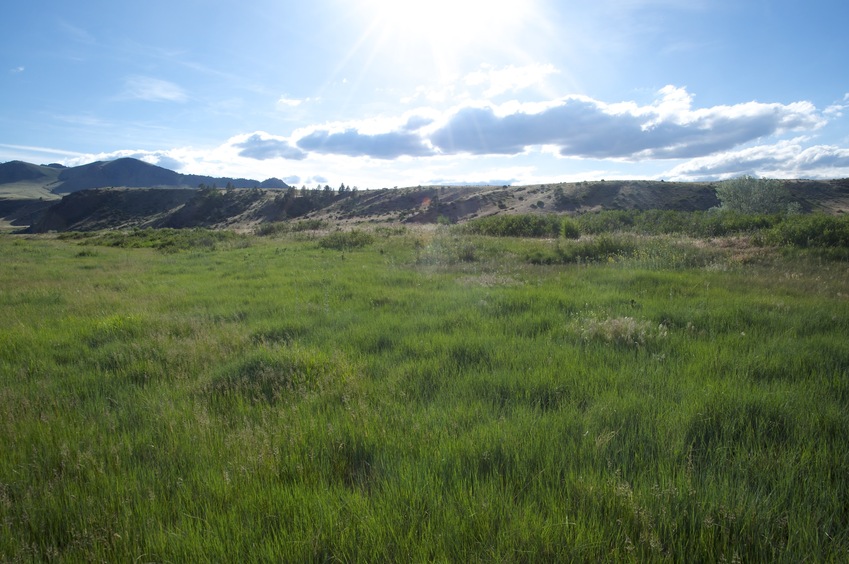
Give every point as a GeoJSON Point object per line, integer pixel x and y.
{"type": "Point", "coordinates": [433, 395]}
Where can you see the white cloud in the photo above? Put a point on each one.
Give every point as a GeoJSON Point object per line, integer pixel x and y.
{"type": "Point", "coordinates": [572, 126]}
{"type": "Point", "coordinates": [284, 102]}
{"type": "Point", "coordinates": [262, 146]}
{"type": "Point", "coordinates": [153, 90]}
{"type": "Point", "coordinates": [467, 143]}
{"type": "Point", "coordinates": [583, 127]}
{"type": "Point", "coordinates": [836, 110]}
{"type": "Point", "coordinates": [352, 143]}
{"type": "Point", "coordinates": [488, 81]}
{"type": "Point", "coordinates": [511, 78]}
{"type": "Point", "coordinates": [173, 159]}
{"type": "Point", "coordinates": [439, 94]}
{"type": "Point", "coordinates": [785, 159]}
{"type": "Point", "coordinates": [41, 150]}
{"type": "Point", "coordinates": [17, 70]}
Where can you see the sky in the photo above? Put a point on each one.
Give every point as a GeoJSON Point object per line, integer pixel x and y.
{"type": "Point", "coordinates": [384, 93]}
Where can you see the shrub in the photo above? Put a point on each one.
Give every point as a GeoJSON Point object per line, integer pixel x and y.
{"type": "Point", "coordinates": [810, 231]}
{"type": "Point", "coordinates": [569, 229]}
{"type": "Point", "coordinates": [597, 249]}
{"type": "Point", "coordinates": [600, 248]}
{"type": "Point", "coordinates": [276, 227]}
{"type": "Point", "coordinates": [606, 222]}
{"type": "Point", "coordinates": [747, 194]}
{"type": "Point", "coordinates": [346, 240]}
{"type": "Point", "coordinates": [720, 223]}
{"type": "Point", "coordinates": [715, 223]}
{"type": "Point", "coordinates": [516, 225]}
{"type": "Point", "coordinates": [168, 240]}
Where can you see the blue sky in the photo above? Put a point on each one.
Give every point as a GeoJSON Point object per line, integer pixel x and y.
{"type": "Point", "coordinates": [380, 93]}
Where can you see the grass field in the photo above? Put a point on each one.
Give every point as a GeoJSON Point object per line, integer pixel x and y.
{"type": "Point", "coordinates": [421, 394]}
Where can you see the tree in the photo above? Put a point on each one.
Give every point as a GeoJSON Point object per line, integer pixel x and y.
{"type": "Point", "coordinates": [747, 194]}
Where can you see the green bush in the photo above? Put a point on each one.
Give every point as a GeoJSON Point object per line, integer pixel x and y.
{"type": "Point", "coordinates": [600, 248]}
{"type": "Point", "coordinates": [747, 194]}
{"type": "Point", "coordinates": [810, 231]}
{"type": "Point", "coordinates": [346, 240]}
{"type": "Point", "coordinates": [569, 229]}
{"type": "Point", "coordinates": [276, 227]}
{"type": "Point", "coordinates": [166, 240]}
{"type": "Point", "coordinates": [606, 222]}
{"type": "Point", "coordinates": [720, 223]}
{"type": "Point", "coordinates": [715, 223]}
{"type": "Point", "coordinates": [516, 225]}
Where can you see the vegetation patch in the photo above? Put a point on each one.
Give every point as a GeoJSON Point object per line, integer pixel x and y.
{"type": "Point", "coordinates": [515, 225]}
{"type": "Point", "coordinates": [815, 230]}
{"type": "Point", "coordinates": [643, 397]}
{"type": "Point", "coordinates": [714, 223]}
{"type": "Point", "coordinates": [346, 240]}
{"type": "Point", "coordinates": [624, 331]}
{"type": "Point", "coordinates": [281, 227]}
{"type": "Point", "coordinates": [273, 374]}
{"type": "Point", "coordinates": [165, 240]}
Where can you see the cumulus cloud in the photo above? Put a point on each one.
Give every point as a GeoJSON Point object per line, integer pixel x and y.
{"type": "Point", "coordinates": [785, 159]}
{"type": "Point", "coordinates": [416, 122]}
{"type": "Point", "coordinates": [262, 146]}
{"type": "Point", "coordinates": [153, 90]}
{"type": "Point", "coordinates": [353, 143]}
{"type": "Point", "coordinates": [572, 126]}
{"type": "Point", "coordinates": [579, 126]}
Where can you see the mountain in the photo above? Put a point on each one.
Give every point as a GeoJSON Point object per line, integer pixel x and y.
{"type": "Point", "coordinates": [29, 181]}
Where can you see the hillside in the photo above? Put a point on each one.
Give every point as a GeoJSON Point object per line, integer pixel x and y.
{"type": "Point", "coordinates": [245, 208]}
{"type": "Point", "coordinates": [20, 180]}
{"type": "Point", "coordinates": [131, 193]}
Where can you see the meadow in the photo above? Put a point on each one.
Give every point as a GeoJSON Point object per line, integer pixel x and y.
{"type": "Point", "coordinates": [425, 393]}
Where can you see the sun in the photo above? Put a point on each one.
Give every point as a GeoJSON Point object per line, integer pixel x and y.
{"type": "Point", "coordinates": [448, 29]}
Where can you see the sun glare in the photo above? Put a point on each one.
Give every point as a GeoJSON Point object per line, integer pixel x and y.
{"type": "Point", "coordinates": [448, 28]}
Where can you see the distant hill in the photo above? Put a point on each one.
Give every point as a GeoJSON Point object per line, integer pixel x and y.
{"type": "Point", "coordinates": [124, 208]}
{"type": "Point", "coordinates": [29, 181]}
{"type": "Point", "coordinates": [131, 173]}
{"type": "Point", "coordinates": [128, 193]}
{"type": "Point", "coordinates": [18, 171]}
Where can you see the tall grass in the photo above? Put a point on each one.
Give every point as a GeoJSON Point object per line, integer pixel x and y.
{"type": "Point", "coordinates": [430, 396]}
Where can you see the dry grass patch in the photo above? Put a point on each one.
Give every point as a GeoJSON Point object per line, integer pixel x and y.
{"type": "Point", "coordinates": [626, 331]}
